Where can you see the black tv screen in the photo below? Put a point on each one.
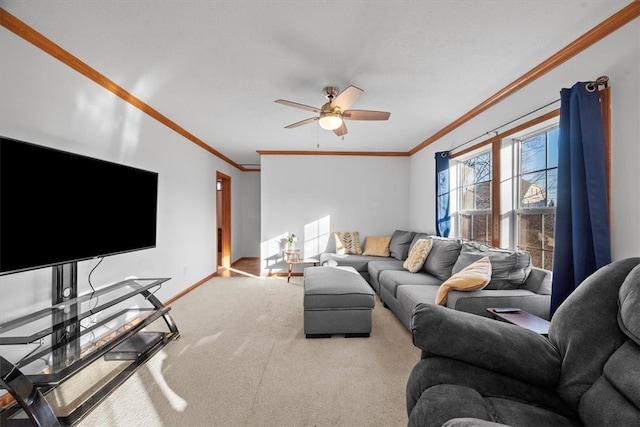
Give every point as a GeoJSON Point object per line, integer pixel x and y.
{"type": "Point", "coordinates": [58, 207]}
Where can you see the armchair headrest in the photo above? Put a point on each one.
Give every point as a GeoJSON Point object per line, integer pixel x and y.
{"type": "Point", "coordinates": [629, 305]}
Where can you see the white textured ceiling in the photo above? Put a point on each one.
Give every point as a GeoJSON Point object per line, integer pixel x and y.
{"type": "Point", "coordinates": [216, 67]}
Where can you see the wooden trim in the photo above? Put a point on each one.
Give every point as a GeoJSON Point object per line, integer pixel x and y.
{"type": "Point", "coordinates": [195, 285]}
{"type": "Point", "coordinates": [226, 219]}
{"type": "Point", "coordinates": [495, 194]}
{"type": "Point", "coordinates": [597, 33]}
{"type": "Point", "coordinates": [189, 289]}
{"type": "Point", "coordinates": [600, 31]}
{"type": "Point", "coordinates": [24, 31]}
{"type": "Point", "coordinates": [332, 153]}
{"type": "Point", "coordinates": [509, 132]}
{"type": "Point", "coordinates": [605, 108]}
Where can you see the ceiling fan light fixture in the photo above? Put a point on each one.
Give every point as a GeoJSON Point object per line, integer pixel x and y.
{"type": "Point", "coordinates": [330, 121]}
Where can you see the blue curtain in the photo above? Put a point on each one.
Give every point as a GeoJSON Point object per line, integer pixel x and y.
{"type": "Point", "coordinates": [443, 219]}
{"type": "Point", "coordinates": [582, 220]}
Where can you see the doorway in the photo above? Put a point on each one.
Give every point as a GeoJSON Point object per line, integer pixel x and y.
{"type": "Point", "coordinates": [223, 219]}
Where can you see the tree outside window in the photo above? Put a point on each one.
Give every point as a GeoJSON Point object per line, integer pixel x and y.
{"type": "Point", "coordinates": [474, 218]}
{"type": "Point", "coordinates": [537, 196]}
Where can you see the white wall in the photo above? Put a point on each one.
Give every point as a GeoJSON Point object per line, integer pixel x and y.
{"type": "Point", "coordinates": [45, 102]}
{"type": "Point", "coordinates": [312, 196]}
{"type": "Point", "coordinates": [618, 57]}
{"type": "Point", "coordinates": [249, 215]}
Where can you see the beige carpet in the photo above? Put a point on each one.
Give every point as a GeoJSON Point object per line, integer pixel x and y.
{"type": "Point", "coordinates": [242, 360]}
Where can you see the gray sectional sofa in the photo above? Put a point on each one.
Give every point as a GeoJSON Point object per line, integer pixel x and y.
{"type": "Point", "coordinates": [514, 282]}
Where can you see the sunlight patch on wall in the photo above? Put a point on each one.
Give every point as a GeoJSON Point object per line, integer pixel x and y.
{"type": "Point", "coordinates": [97, 114]}
{"type": "Point", "coordinates": [272, 253]}
{"type": "Point", "coordinates": [316, 236]}
{"type": "Point", "coordinates": [130, 132]}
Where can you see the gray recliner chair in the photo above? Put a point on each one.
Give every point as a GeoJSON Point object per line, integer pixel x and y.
{"type": "Point", "coordinates": [475, 371]}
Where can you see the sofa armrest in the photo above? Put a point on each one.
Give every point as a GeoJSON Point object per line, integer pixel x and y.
{"type": "Point", "coordinates": [471, 422]}
{"type": "Point", "coordinates": [539, 281]}
{"type": "Point", "coordinates": [486, 343]}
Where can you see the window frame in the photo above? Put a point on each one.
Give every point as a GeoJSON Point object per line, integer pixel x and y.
{"type": "Point", "coordinates": [496, 143]}
{"type": "Point", "coordinates": [518, 173]}
{"type": "Point", "coordinates": [488, 212]}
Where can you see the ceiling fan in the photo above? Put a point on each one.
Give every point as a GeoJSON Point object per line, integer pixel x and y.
{"type": "Point", "coordinates": [332, 115]}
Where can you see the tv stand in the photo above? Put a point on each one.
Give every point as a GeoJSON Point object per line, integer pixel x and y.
{"type": "Point", "coordinates": [106, 334]}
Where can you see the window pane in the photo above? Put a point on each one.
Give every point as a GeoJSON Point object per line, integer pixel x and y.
{"type": "Point", "coordinates": [466, 173]}
{"type": "Point", "coordinates": [481, 228]}
{"type": "Point", "coordinates": [536, 237]}
{"type": "Point", "coordinates": [468, 197]}
{"type": "Point", "coordinates": [552, 148]}
{"type": "Point", "coordinates": [536, 257]}
{"type": "Point", "coordinates": [547, 261]}
{"type": "Point", "coordinates": [465, 226]}
{"type": "Point", "coordinates": [483, 168]}
{"type": "Point", "coordinates": [552, 187]}
{"type": "Point", "coordinates": [483, 195]}
{"type": "Point", "coordinates": [533, 190]}
{"type": "Point", "coordinates": [549, 227]}
{"type": "Point", "coordinates": [530, 235]}
{"type": "Point", "coordinates": [474, 220]}
{"type": "Point", "coordinates": [534, 154]}
{"type": "Point", "coordinates": [537, 198]}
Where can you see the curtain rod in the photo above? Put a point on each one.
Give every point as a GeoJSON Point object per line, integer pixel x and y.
{"type": "Point", "coordinates": [590, 86]}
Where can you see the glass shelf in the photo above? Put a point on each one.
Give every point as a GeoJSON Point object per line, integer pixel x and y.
{"type": "Point", "coordinates": [97, 333]}
{"type": "Point", "coordinates": [34, 326]}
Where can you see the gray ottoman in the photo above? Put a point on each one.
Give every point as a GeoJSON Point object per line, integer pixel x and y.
{"type": "Point", "coordinates": [337, 300]}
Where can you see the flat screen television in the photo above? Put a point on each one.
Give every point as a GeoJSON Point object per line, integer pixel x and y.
{"type": "Point", "coordinates": [58, 207]}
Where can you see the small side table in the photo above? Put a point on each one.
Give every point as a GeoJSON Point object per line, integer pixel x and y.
{"type": "Point", "coordinates": [523, 319]}
{"type": "Point", "coordinates": [293, 257]}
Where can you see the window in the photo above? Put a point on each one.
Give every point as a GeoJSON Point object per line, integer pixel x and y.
{"type": "Point", "coordinates": [537, 196]}
{"type": "Point", "coordinates": [474, 216]}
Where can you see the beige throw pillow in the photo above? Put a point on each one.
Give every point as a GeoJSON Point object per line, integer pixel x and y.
{"type": "Point", "coordinates": [417, 255]}
{"type": "Point", "coordinates": [377, 245]}
{"type": "Point", "coordinates": [347, 242]}
{"type": "Point", "coordinates": [473, 277]}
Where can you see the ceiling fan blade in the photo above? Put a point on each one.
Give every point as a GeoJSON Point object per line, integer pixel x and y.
{"type": "Point", "coordinates": [342, 130]}
{"type": "Point", "coordinates": [296, 105]}
{"type": "Point", "coordinates": [365, 115]}
{"type": "Point", "coordinates": [301, 122]}
{"type": "Point", "coordinates": [346, 98]}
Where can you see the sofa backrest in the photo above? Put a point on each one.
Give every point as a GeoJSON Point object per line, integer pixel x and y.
{"type": "Point", "coordinates": [597, 332]}
{"type": "Point", "coordinates": [399, 245]}
{"type": "Point", "coordinates": [509, 268]}
{"type": "Point", "coordinates": [442, 257]}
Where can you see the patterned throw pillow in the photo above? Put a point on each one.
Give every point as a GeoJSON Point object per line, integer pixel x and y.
{"type": "Point", "coordinates": [473, 277]}
{"type": "Point", "coordinates": [347, 242]}
{"type": "Point", "coordinates": [417, 255]}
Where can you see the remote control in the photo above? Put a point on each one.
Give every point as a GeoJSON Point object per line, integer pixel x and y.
{"type": "Point", "coordinates": [507, 310]}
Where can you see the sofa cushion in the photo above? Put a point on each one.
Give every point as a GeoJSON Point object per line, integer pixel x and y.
{"type": "Point", "coordinates": [374, 268]}
{"type": "Point", "coordinates": [442, 257]}
{"type": "Point", "coordinates": [509, 268]}
{"type": "Point", "coordinates": [391, 279]}
{"type": "Point", "coordinates": [399, 245]}
{"type": "Point", "coordinates": [347, 242]}
{"type": "Point", "coordinates": [409, 296]}
{"type": "Point", "coordinates": [359, 262]}
{"type": "Point", "coordinates": [417, 255]}
{"type": "Point", "coordinates": [377, 246]}
{"type": "Point", "coordinates": [472, 277]}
